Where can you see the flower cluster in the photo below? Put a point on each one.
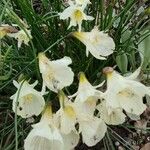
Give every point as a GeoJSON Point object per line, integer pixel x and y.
{"type": "Point", "coordinates": [89, 110]}
{"type": "Point", "coordinates": [76, 115]}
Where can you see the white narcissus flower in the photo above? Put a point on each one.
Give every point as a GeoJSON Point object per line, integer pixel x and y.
{"type": "Point", "coordinates": [91, 128]}
{"type": "Point", "coordinates": [66, 115]}
{"type": "Point", "coordinates": [76, 15]}
{"type": "Point", "coordinates": [111, 116]}
{"type": "Point", "coordinates": [85, 89]}
{"type": "Point", "coordinates": [56, 74]}
{"type": "Point", "coordinates": [29, 101]}
{"type": "Point", "coordinates": [47, 136]}
{"type": "Point", "coordinates": [99, 44]}
{"type": "Point", "coordinates": [22, 36]}
{"type": "Point", "coordinates": [125, 92]}
{"type": "Point", "coordinates": [44, 134]}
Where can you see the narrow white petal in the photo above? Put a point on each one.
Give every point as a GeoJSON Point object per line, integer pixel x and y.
{"type": "Point", "coordinates": [135, 74]}
{"type": "Point", "coordinates": [34, 84]}
{"type": "Point", "coordinates": [100, 85]}
{"type": "Point", "coordinates": [66, 13]}
{"type": "Point", "coordinates": [16, 84]}
{"type": "Point", "coordinates": [89, 18]}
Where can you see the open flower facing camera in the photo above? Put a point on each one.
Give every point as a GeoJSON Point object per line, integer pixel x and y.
{"type": "Point", "coordinates": [76, 14]}
{"type": "Point", "coordinates": [27, 101]}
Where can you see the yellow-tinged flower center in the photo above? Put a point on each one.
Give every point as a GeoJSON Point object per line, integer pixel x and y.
{"type": "Point", "coordinates": [49, 75]}
{"type": "Point", "coordinates": [91, 100]}
{"type": "Point", "coordinates": [69, 111]}
{"type": "Point", "coordinates": [95, 39]}
{"type": "Point", "coordinates": [126, 92]}
{"type": "Point", "coordinates": [22, 36]}
{"type": "Point", "coordinates": [28, 98]}
{"type": "Point", "coordinates": [78, 15]}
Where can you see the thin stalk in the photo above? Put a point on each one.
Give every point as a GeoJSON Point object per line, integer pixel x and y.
{"type": "Point", "coordinates": [16, 127]}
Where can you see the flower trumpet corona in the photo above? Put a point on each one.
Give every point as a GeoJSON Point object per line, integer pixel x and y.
{"type": "Point", "coordinates": [99, 44]}
{"type": "Point", "coordinates": [125, 92]}
{"type": "Point", "coordinates": [56, 74]}
{"type": "Point", "coordinates": [27, 101]}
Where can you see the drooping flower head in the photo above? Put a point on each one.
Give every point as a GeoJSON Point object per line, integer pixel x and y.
{"type": "Point", "coordinates": [66, 115]}
{"type": "Point", "coordinates": [99, 44]}
{"type": "Point", "coordinates": [27, 101]}
{"type": "Point", "coordinates": [44, 134]}
{"type": "Point", "coordinates": [76, 14]}
{"type": "Point", "coordinates": [22, 37]}
{"type": "Point", "coordinates": [91, 127]}
{"type": "Point", "coordinates": [125, 92]}
{"type": "Point", "coordinates": [56, 74]}
{"type": "Point", "coordinates": [47, 136]}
